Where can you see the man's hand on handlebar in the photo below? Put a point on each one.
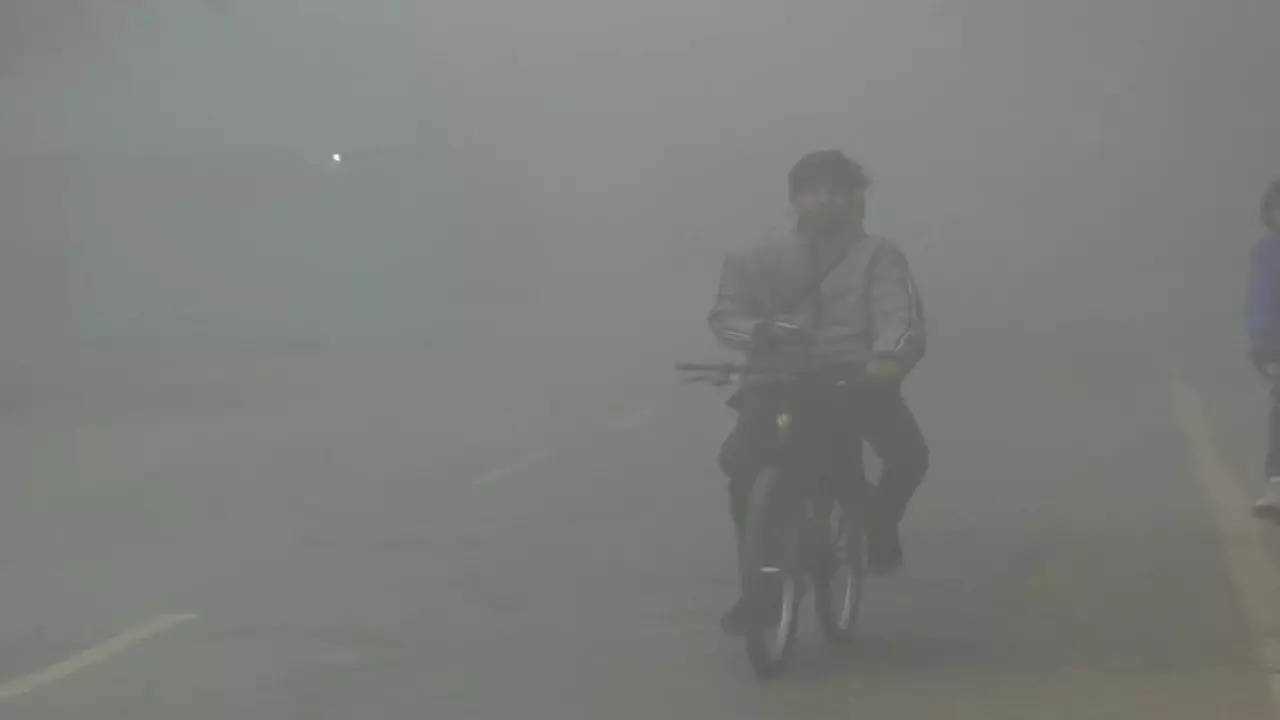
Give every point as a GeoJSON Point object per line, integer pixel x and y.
{"type": "Point", "coordinates": [884, 369]}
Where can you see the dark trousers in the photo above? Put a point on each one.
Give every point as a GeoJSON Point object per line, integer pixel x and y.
{"type": "Point", "coordinates": [839, 419]}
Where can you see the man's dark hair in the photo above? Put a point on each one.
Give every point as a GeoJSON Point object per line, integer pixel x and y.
{"type": "Point", "coordinates": [830, 169]}
{"type": "Point", "coordinates": [1271, 207]}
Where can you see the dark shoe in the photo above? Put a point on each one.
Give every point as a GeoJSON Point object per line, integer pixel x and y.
{"type": "Point", "coordinates": [1268, 506]}
{"type": "Point", "coordinates": [737, 619]}
{"type": "Point", "coordinates": [884, 550]}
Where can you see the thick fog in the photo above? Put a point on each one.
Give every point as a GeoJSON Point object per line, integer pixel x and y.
{"type": "Point", "coordinates": [339, 334]}
{"type": "Point", "coordinates": [1043, 163]}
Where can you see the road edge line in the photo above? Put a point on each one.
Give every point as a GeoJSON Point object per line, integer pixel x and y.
{"type": "Point", "coordinates": [1253, 573]}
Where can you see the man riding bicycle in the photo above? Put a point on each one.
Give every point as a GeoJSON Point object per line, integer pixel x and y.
{"type": "Point", "coordinates": [840, 305]}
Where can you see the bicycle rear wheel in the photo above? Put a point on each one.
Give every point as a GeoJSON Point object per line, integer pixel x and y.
{"type": "Point", "coordinates": [841, 571]}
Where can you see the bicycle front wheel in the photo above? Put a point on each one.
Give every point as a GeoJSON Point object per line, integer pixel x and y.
{"type": "Point", "coordinates": [772, 572]}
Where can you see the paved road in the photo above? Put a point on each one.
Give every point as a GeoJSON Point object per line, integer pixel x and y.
{"type": "Point", "coordinates": [324, 535]}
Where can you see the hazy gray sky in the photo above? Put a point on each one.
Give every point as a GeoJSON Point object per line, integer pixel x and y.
{"type": "Point", "coordinates": [1066, 154]}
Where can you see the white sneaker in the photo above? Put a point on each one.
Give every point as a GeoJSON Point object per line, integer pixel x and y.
{"type": "Point", "coordinates": [1268, 506]}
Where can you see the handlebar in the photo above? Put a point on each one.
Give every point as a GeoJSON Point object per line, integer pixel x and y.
{"type": "Point", "coordinates": [716, 374]}
{"type": "Point", "coordinates": [729, 368]}
{"type": "Point", "coordinates": [720, 374]}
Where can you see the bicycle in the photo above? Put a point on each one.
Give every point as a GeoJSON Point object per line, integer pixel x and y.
{"type": "Point", "coordinates": [799, 529]}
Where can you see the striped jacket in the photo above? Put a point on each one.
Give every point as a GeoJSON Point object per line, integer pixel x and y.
{"type": "Point", "coordinates": [869, 303]}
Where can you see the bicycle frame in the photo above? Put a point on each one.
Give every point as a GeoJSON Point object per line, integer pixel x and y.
{"type": "Point", "coordinates": [803, 477]}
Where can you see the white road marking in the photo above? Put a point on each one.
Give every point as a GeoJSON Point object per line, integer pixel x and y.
{"type": "Point", "coordinates": [524, 462]}
{"type": "Point", "coordinates": [21, 686]}
{"type": "Point", "coordinates": [1253, 572]}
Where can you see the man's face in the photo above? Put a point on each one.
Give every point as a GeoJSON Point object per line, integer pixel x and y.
{"type": "Point", "coordinates": [821, 211]}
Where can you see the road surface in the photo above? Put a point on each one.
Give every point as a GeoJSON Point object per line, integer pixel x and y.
{"type": "Point", "coordinates": [324, 534]}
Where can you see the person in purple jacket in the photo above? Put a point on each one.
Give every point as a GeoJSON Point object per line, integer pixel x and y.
{"type": "Point", "coordinates": [1263, 312]}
